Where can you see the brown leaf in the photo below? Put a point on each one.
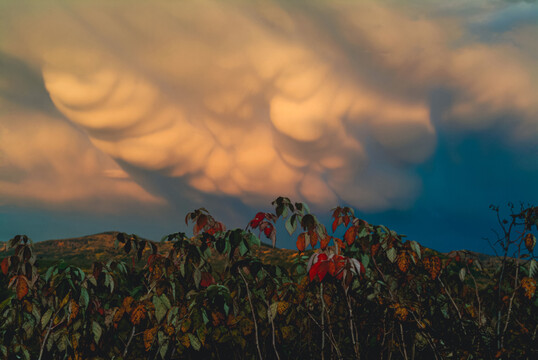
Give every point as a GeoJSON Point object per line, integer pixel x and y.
{"type": "Point", "coordinates": [22, 286]}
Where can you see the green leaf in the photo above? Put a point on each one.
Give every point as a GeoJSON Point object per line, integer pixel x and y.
{"type": "Point", "coordinates": [463, 272]}
{"type": "Point", "coordinates": [46, 318]}
{"type": "Point", "coordinates": [254, 240]}
{"type": "Point", "coordinates": [195, 343]}
{"type": "Point", "coordinates": [48, 274]}
{"type": "Point", "coordinates": [242, 248]}
{"type": "Point", "coordinates": [365, 260]}
{"type": "Point", "coordinates": [163, 350]}
{"type": "Point", "coordinates": [84, 298]}
{"type": "Point", "coordinates": [391, 254]}
{"type": "Point", "coordinates": [272, 311]}
{"type": "Point", "coordinates": [160, 308]}
{"type": "Point", "coordinates": [416, 248]}
{"type": "Point", "coordinates": [291, 224]}
{"type": "Point", "coordinates": [197, 277]}
{"type": "Point", "coordinates": [533, 268]}
{"type": "Point", "coordinates": [5, 303]}
{"type": "Point", "coordinates": [97, 331]}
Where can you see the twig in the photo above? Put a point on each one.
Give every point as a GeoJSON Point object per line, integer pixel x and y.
{"type": "Point", "coordinates": [272, 328]}
{"type": "Point", "coordinates": [322, 321]}
{"type": "Point", "coordinates": [129, 342]}
{"type": "Point", "coordinates": [403, 342]}
{"type": "Point", "coordinates": [253, 315]}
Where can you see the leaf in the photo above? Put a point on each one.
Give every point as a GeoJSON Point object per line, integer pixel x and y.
{"type": "Point", "coordinates": [5, 265]}
{"type": "Point", "coordinates": [46, 318]}
{"type": "Point", "coordinates": [392, 254]}
{"type": "Point", "coordinates": [84, 299]}
{"type": "Point", "coordinates": [463, 272]}
{"type": "Point", "coordinates": [272, 311]}
{"type": "Point", "coordinates": [97, 331]}
{"type": "Point", "coordinates": [432, 264]}
{"type": "Point", "coordinates": [530, 242]}
{"type": "Point", "coordinates": [22, 287]}
{"type": "Point", "coordinates": [301, 242]}
{"type": "Point", "coordinates": [416, 248]}
{"type": "Point", "coordinates": [149, 335]}
{"type": "Point", "coordinates": [195, 343]}
{"type": "Point", "coordinates": [160, 308]}
{"type": "Point", "coordinates": [324, 242]}
{"type": "Point", "coordinates": [350, 235]}
{"type": "Point", "coordinates": [403, 261]}
{"type": "Point", "coordinates": [197, 276]}
{"type": "Point", "coordinates": [291, 224]}
{"type": "Point", "coordinates": [533, 268]}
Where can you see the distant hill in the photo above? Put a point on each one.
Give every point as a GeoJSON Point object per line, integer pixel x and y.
{"type": "Point", "coordinates": [83, 251]}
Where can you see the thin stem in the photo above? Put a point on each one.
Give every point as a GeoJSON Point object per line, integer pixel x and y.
{"type": "Point", "coordinates": [48, 333]}
{"type": "Point", "coordinates": [272, 329]}
{"type": "Point", "coordinates": [322, 322]}
{"type": "Point", "coordinates": [253, 315]}
{"type": "Point", "coordinates": [129, 341]}
{"type": "Point", "coordinates": [403, 342]}
{"type": "Point", "coordinates": [450, 297]}
{"type": "Point", "coordinates": [351, 328]}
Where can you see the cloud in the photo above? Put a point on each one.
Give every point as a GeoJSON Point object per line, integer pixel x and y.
{"type": "Point", "coordinates": [318, 101]}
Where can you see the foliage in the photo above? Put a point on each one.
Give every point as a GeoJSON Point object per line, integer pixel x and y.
{"type": "Point", "coordinates": [369, 294]}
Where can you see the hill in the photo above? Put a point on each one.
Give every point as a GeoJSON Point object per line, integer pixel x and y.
{"type": "Point", "coordinates": [85, 250]}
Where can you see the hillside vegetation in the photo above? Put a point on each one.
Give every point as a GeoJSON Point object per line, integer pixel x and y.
{"type": "Point", "coordinates": [222, 294]}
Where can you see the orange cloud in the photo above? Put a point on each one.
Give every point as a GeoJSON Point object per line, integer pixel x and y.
{"type": "Point", "coordinates": [316, 101]}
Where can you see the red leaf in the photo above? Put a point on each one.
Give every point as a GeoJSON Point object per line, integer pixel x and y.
{"type": "Point", "coordinates": [346, 220]}
{"type": "Point", "coordinates": [5, 265]}
{"type": "Point", "coordinates": [314, 271]}
{"type": "Point", "coordinates": [337, 221]}
{"type": "Point", "coordinates": [207, 279]}
{"type": "Point", "coordinates": [322, 257]}
{"type": "Point", "coordinates": [331, 267]}
{"type": "Point", "coordinates": [268, 230]}
{"type": "Point", "coordinates": [323, 269]}
{"type": "Point", "coordinates": [202, 221]}
{"type": "Point", "coordinates": [301, 242]}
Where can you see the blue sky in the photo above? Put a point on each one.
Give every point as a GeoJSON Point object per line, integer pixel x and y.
{"type": "Point", "coordinates": [126, 116]}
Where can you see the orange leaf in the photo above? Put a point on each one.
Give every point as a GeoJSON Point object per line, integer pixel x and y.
{"type": "Point", "coordinates": [340, 243]}
{"type": "Point", "coordinates": [301, 242]}
{"type": "Point", "coordinates": [22, 286]}
{"type": "Point", "coordinates": [138, 314]}
{"type": "Point", "coordinates": [149, 335]}
{"type": "Point", "coordinates": [336, 222]}
{"type": "Point", "coordinates": [313, 239]}
{"type": "Point", "coordinates": [403, 261]}
{"type": "Point", "coordinates": [375, 248]}
{"type": "Point", "coordinates": [5, 265]}
{"type": "Point", "coordinates": [350, 235]}
{"type": "Point", "coordinates": [432, 264]}
{"type": "Point", "coordinates": [324, 242]}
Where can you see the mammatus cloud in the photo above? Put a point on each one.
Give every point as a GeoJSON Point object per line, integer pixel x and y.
{"type": "Point", "coordinates": [318, 101]}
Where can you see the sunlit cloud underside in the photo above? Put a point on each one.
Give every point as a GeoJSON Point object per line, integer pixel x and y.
{"type": "Point", "coordinates": [320, 101]}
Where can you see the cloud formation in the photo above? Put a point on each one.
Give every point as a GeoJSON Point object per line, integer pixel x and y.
{"type": "Point", "coordinates": [318, 101]}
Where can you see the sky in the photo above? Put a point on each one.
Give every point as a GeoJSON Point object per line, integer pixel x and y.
{"type": "Point", "coordinates": [126, 115]}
